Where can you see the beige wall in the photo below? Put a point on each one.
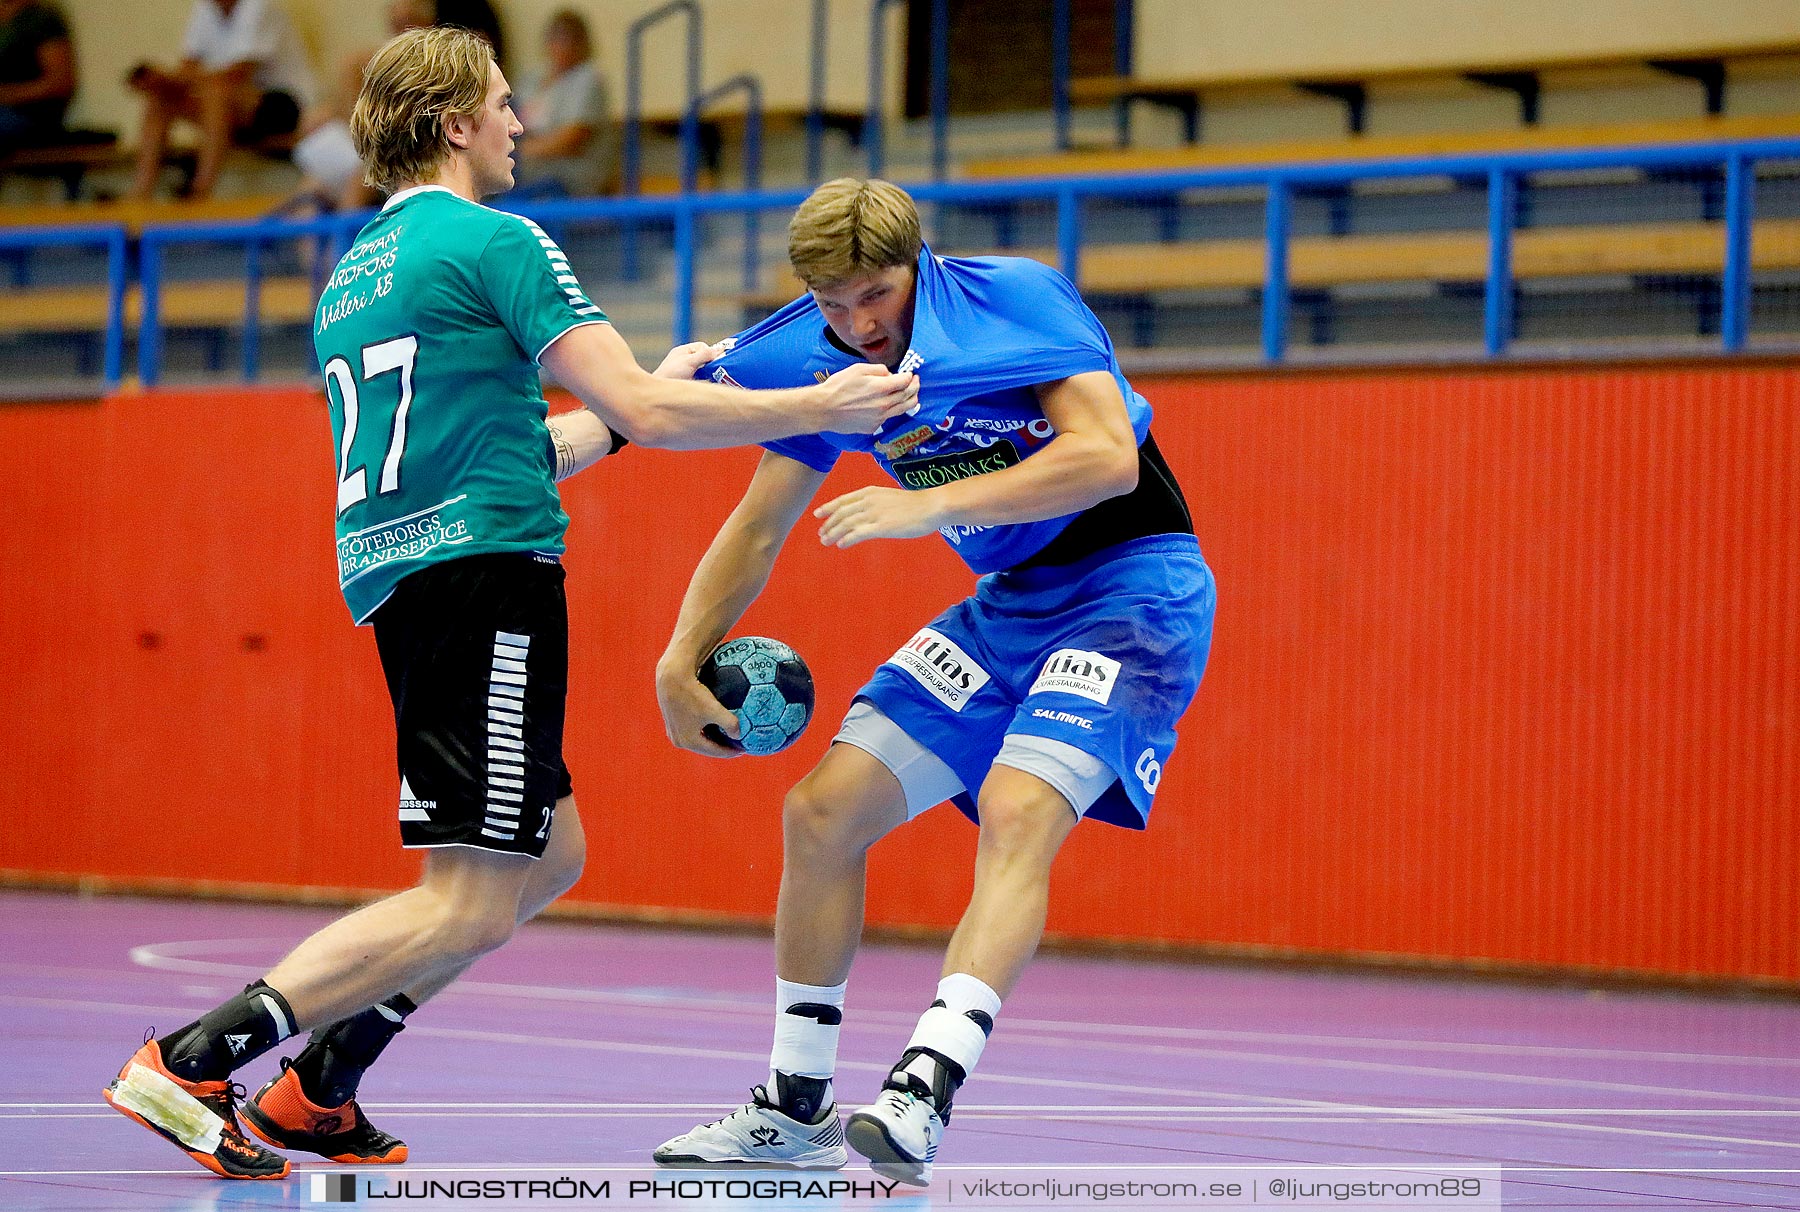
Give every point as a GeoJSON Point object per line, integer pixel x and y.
{"type": "Point", "coordinates": [1200, 37]}
{"type": "Point", "coordinates": [1175, 37]}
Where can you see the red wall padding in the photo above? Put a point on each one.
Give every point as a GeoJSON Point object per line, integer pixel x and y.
{"type": "Point", "coordinates": [1507, 668]}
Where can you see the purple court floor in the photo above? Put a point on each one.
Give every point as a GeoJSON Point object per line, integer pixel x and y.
{"type": "Point", "coordinates": [569, 1055]}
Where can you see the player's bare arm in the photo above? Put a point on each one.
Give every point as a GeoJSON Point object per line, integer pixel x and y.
{"type": "Point", "coordinates": [579, 439]}
{"type": "Point", "coordinates": [594, 362]}
{"type": "Point", "coordinates": [1092, 457]}
{"type": "Point", "coordinates": [728, 579]}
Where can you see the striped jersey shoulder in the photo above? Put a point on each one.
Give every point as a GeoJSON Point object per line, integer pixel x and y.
{"type": "Point", "coordinates": [558, 262]}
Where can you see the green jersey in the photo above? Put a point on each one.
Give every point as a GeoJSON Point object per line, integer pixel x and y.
{"type": "Point", "coordinates": [428, 335]}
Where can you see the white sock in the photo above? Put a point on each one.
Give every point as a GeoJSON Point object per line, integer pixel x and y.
{"type": "Point", "coordinates": [950, 1030]}
{"type": "Point", "coordinates": [805, 1046]}
{"type": "Point", "coordinates": [962, 993]}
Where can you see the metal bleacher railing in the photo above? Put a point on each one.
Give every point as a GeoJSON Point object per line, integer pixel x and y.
{"type": "Point", "coordinates": [19, 243]}
{"type": "Point", "coordinates": [693, 246]}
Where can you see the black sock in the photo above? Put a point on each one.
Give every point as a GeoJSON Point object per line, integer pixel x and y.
{"type": "Point", "coordinates": [243, 1028]}
{"type": "Point", "coordinates": [334, 1059]}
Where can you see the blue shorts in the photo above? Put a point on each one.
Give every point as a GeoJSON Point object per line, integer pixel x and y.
{"type": "Point", "coordinates": [1104, 655]}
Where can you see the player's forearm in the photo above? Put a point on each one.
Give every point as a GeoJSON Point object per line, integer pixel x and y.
{"type": "Point", "coordinates": [729, 579]}
{"type": "Point", "coordinates": [1072, 473]}
{"type": "Point", "coordinates": [579, 439]}
{"type": "Point", "coordinates": [694, 415]}
{"type": "Point", "coordinates": [594, 362]}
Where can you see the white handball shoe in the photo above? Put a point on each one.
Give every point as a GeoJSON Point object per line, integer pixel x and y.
{"type": "Point", "coordinates": [899, 1135]}
{"type": "Point", "coordinates": [756, 1135]}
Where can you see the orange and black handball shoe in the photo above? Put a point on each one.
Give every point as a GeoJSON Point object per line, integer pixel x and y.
{"type": "Point", "coordinates": [283, 1116]}
{"type": "Point", "coordinates": [199, 1118]}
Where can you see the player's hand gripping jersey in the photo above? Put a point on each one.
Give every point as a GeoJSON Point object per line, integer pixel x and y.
{"type": "Point", "coordinates": [985, 330]}
{"type": "Point", "coordinates": [428, 335]}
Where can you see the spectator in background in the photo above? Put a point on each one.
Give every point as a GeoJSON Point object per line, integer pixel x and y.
{"type": "Point", "coordinates": [37, 73]}
{"type": "Point", "coordinates": [476, 15]}
{"type": "Point", "coordinates": [331, 171]}
{"type": "Point", "coordinates": [566, 114]}
{"type": "Point", "coordinates": [243, 74]}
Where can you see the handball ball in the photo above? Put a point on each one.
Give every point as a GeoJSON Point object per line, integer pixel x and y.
{"type": "Point", "coordinates": [769, 687]}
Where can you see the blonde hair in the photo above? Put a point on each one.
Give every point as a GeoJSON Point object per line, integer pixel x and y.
{"type": "Point", "coordinates": [414, 82]}
{"type": "Point", "coordinates": [850, 228]}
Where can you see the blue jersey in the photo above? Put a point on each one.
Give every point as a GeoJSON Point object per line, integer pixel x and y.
{"type": "Point", "coordinates": [985, 330]}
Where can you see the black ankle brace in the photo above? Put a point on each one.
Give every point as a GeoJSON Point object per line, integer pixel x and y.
{"type": "Point", "coordinates": [800, 1098]}
{"type": "Point", "coordinates": [331, 1065]}
{"type": "Point", "coordinates": [233, 1033]}
{"type": "Point", "coordinates": [947, 1077]}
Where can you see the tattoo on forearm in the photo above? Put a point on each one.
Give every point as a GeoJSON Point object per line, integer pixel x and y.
{"type": "Point", "coordinates": [565, 455]}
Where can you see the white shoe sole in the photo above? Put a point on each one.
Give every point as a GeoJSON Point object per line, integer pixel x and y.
{"type": "Point", "coordinates": [868, 1135]}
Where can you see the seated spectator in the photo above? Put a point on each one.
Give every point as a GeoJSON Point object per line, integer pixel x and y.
{"type": "Point", "coordinates": [243, 74]}
{"type": "Point", "coordinates": [331, 171]}
{"type": "Point", "coordinates": [566, 115]}
{"type": "Point", "coordinates": [37, 73]}
{"type": "Point", "coordinates": [476, 15]}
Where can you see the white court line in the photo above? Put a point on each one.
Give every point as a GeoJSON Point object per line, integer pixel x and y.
{"type": "Point", "coordinates": [1070, 1119]}
{"type": "Point", "coordinates": [992, 1078]}
{"type": "Point", "coordinates": [171, 957]}
{"type": "Point", "coordinates": [688, 1117]}
{"type": "Point", "coordinates": [166, 955]}
{"type": "Point", "coordinates": [676, 1174]}
{"type": "Point", "coordinates": [761, 1058]}
{"type": "Point", "coordinates": [987, 1077]}
{"type": "Point", "coordinates": [1354, 1042]}
{"type": "Point", "coordinates": [1612, 1130]}
{"type": "Point", "coordinates": [163, 956]}
{"type": "Point", "coordinates": [1395, 1067]}
{"type": "Point", "coordinates": [1258, 1115]}
{"type": "Point", "coordinates": [1126, 1110]}
{"type": "Point", "coordinates": [1060, 1083]}
{"type": "Point", "coordinates": [596, 1045]}
{"type": "Point", "coordinates": [1335, 1115]}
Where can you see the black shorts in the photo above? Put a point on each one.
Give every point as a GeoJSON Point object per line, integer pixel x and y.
{"type": "Point", "coordinates": [476, 652]}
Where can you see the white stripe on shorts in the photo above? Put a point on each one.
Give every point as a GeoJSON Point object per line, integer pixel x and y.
{"type": "Point", "coordinates": [506, 732]}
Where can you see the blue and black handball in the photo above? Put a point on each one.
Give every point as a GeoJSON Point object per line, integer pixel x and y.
{"type": "Point", "coordinates": [769, 687]}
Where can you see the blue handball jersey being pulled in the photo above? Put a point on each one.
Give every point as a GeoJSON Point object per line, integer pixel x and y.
{"type": "Point", "coordinates": [985, 329]}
